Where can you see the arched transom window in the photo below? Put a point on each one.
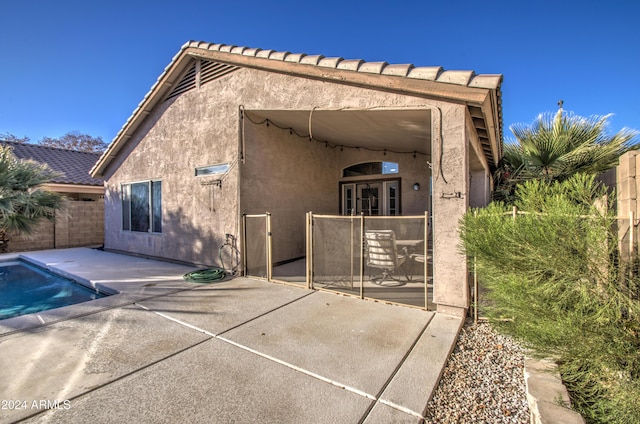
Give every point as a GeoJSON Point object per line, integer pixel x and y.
{"type": "Point", "coordinates": [371, 168]}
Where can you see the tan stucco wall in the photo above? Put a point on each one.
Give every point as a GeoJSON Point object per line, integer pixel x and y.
{"type": "Point", "coordinates": [451, 291]}
{"type": "Point", "coordinates": [480, 179]}
{"type": "Point", "coordinates": [282, 174]}
{"type": "Point", "coordinates": [182, 134]}
{"type": "Point", "coordinates": [286, 176]}
{"type": "Point", "coordinates": [202, 127]}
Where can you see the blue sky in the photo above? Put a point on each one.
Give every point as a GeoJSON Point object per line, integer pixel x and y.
{"type": "Point", "coordinates": [84, 66]}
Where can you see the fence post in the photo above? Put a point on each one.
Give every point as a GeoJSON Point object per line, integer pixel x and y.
{"type": "Point", "coordinates": [309, 268]}
{"type": "Point", "coordinates": [351, 251]}
{"type": "Point", "coordinates": [514, 212]}
{"type": "Point", "coordinates": [362, 247]}
{"type": "Point", "coordinates": [475, 278]}
{"type": "Point", "coordinates": [475, 291]}
{"type": "Point", "coordinates": [268, 240]}
{"type": "Point", "coordinates": [244, 244]}
{"type": "Point", "coordinates": [631, 229]}
{"type": "Point", "coordinates": [426, 261]}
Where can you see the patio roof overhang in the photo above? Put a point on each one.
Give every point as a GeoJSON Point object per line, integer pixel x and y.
{"type": "Point", "coordinates": [397, 130]}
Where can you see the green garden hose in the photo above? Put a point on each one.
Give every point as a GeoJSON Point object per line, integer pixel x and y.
{"type": "Point", "coordinates": [204, 276]}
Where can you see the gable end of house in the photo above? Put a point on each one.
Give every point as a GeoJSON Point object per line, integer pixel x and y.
{"type": "Point", "coordinates": [199, 62]}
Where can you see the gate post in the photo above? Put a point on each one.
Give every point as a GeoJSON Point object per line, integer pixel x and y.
{"type": "Point", "coordinates": [362, 248]}
{"type": "Point", "coordinates": [269, 246]}
{"type": "Point", "coordinates": [309, 256]}
{"type": "Point", "coordinates": [426, 261]}
{"type": "Point", "coordinates": [244, 244]}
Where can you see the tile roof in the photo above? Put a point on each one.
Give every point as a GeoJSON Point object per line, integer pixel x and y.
{"type": "Point", "coordinates": [73, 165]}
{"type": "Point", "coordinates": [433, 73]}
{"type": "Point", "coordinates": [455, 85]}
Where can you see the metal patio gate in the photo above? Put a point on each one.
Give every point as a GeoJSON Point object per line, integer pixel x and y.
{"type": "Point", "coordinates": [256, 240]}
{"type": "Point", "coordinates": [385, 258]}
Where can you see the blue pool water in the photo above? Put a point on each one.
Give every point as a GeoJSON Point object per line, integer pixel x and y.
{"type": "Point", "coordinates": [25, 289]}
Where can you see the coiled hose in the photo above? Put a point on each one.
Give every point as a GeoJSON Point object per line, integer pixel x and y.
{"type": "Point", "coordinates": [204, 276]}
{"type": "Point", "coordinates": [210, 275]}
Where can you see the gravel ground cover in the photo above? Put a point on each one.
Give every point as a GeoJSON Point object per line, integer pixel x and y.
{"type": "Point", "coordinates": [483, 381]}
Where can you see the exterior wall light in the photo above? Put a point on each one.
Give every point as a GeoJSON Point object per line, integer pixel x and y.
{"type": "Point", "coordinates": [416, 186]}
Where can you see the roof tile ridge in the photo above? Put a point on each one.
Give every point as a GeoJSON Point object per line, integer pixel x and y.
{"type": "Point", "coordinates": [373, 67]}
{"type": "Point", "coordinates": [227, 48]}
{"type": "Point", "coordinates": [350, 64]}
{"type": "Point", "coordinates": [330, 62]}
{"type": "Point", "coordinates": [279, 55]}
{"type": "Point", "coordinates": [426, 72]}
{"type": "Point", "coordinates": [491, 81]}
{"type": "Point", "coordinates": [459, 77]}
{"type": "Point", "coordinates": [251, 51]}
{"type": "Point", "coordinates": [398, 69]}
{"type": "Point", "coordinates": [433, 73]}
{"type": "Point", "coordinates": [264, 53]}
{"type": "Point", "coordinates": [238, 50]}
{"type": "Point", "coordinates": [311, 59]}
{"type": "Point", "coordinates": [294, 57]}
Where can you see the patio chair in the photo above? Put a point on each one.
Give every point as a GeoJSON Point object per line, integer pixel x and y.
{"type": "Point", "coordinates": [420, 258]}
{"type": "Point", "coordinates": [382, 253]}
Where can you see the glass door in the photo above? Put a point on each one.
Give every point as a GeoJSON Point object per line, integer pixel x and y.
{"type": "Point", "coordinates": [368, 201]}
{"type": "Point", "coordinates": [371, 198]}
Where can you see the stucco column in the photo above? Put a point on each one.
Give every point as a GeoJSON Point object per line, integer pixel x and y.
{"type": "Point", "coordinates": [450, 202]}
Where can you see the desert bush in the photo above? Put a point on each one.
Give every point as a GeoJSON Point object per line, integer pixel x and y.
{"type": "Point", "coordinates": [554, 272]}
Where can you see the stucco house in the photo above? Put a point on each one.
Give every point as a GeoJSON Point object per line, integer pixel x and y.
{"type": "Point", "coordinates": [229, 131]}
{"type": "Point", "coordinates": [82, 223]}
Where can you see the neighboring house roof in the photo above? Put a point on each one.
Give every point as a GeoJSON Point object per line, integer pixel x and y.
{"type": "Point", "coordinates": [479, 92]}
{"type": "Point", "coordinates": [74, 166]}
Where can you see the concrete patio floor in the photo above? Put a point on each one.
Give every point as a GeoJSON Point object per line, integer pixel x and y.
{"type": "Point", "coordinates": [240, 350]}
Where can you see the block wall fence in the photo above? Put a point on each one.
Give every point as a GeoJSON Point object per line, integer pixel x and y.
{"type": "Point", "coordinates": [82, 224]}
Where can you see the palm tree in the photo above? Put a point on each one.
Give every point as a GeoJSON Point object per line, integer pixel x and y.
{"type": "Point", "coordinates": [23, 203]}
{"type": "Point", "coordinates": [556, 146]}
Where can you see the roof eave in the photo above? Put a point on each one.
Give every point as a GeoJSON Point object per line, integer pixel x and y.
{"type": "Point", "coordinates": [156, 94]}
{"type": "Point", "coordinates": [74, 188]}
{"type": "Point", "coordinates": [475, 90]}
{"type": "Point", "coordinates": [405, 84]}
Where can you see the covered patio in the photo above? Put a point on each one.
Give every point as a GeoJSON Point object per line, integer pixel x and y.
{"type": "Point", "coordinates": [328, 167]}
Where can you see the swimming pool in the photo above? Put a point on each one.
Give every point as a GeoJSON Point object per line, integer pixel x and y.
{"type": "Point", "coordinates": [26, 288]}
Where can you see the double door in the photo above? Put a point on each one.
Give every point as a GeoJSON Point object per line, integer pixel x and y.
{"type": "Point", "coordinates": [371, 198]}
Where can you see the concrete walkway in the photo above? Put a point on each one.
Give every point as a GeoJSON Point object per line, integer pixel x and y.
{"type": "Point", "coordinates": [240, 350]}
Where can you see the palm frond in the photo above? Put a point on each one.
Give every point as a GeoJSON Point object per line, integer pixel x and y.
{"type": "Point", "coordinates": [23, 203]}
{"type": "Point", "coordinates": [556, 146]}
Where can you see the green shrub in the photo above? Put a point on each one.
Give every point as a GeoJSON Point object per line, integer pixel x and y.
{"type": "Point", "coordinates": [554, 271]}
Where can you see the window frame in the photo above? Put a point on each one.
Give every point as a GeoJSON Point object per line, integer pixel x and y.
{"type": "Point", "coordinates": [214, 170]}
{"type": "Point", "coordinates": [153, 209]}
{"type": "Point", "coordinates": [370, 168]}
